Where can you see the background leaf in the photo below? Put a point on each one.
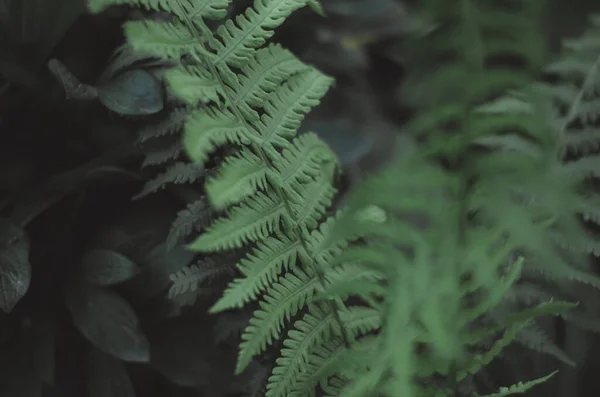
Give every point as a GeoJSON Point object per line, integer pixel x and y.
{"type": "Point", "coordinates": [15, 270]}
{"type": "Point", "coordinates": [105, 267]}
{"type": "Point", "coordinates": [108, 322]}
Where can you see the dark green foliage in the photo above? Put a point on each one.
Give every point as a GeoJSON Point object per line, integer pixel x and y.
{"type": "Point", "coordinates": [108, 321]}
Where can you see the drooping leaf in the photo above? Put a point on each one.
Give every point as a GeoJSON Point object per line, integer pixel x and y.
{"type": "Point", "coordinates": [105, 267]}
{"type": "Point", "coordinates": [108, 321]}
{"type": "Point", "coordinates": [15, 269]}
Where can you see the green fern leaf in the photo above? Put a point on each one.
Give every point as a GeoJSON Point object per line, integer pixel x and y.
{"type": "Point", "coordinates": [238, 40]}
{"type": "Point", "coordinates": [248, 173]}
{"type": "Point", "coordinates": [162, 156]}
{"type": "Point", "coordinates": [194, 218]}
{"type": "Point", "coordinates": [255, 219]}
{"type": "Point", "coordinates": [521, 387]}
{"type": "Point", "coordinates": [167, 127]}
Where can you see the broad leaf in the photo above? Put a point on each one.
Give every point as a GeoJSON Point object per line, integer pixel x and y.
{"type": "Point", "coordinates": [108, 322]}
{"type": "Point", "coordinates": [106, 267]}
{"type": "Point", "coordinates": [15, 270]}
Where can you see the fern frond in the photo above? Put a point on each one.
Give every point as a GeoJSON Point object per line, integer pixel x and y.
{"type": "Point", "coordinates": [570, 140]}
{"type": "Point", "coordinates": [255, 219]}
{"type": "Point", "coordinates": [172, 124]}
{"type": "Point", "coordinates": [265, 186]}
{"type": "Point", "coordinates": [237, 41]}
{"type": "Point", "coordinates": [163, 155]}
{"type": "Point", "coordinates": [521, 387]}
{"type": "Point", "coordinates": [536, 339]}
{"type": "Point", "coordinates": [185, 280]}
{"type": "Point", "coordinates": [194, 218]}
{"type": "Point", "coordinates": [178, 173]}
{"type": "Point", "coordinates": [576, 91]}
{"type": "Point", "coordinates": [189, 279]}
